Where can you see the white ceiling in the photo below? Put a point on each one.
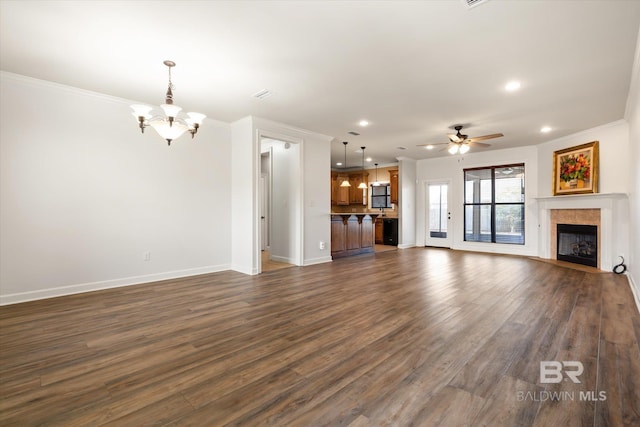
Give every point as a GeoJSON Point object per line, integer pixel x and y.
{"type": "Point", "coordinates": [412, 69]}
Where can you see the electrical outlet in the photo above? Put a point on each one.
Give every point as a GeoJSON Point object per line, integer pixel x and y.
{"type": "Point", "coordinates": [146, 256]}
{"type": "Point", "coordinates": [322, 245]}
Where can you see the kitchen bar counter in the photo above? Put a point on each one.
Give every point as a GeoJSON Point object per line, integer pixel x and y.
{"type": "Point", "coordinates": [352, 234]}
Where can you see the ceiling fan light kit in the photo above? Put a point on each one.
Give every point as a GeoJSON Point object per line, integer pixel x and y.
{"type": "Point", "coordinates": [459, 143]}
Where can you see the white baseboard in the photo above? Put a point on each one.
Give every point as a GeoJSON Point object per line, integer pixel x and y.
{"type": "Point", "coordinates": [284, 259]}
{"type": "Point", "coordinates": [319, 260]}
{"type": "Point", "coordinates": [407, 246]}
{"type": "Point", "coordinates": [106, 284]}
{"type": "Point", "coordinates": [243, 270]}
{"type": "Point", "coordinates": [634, 290]}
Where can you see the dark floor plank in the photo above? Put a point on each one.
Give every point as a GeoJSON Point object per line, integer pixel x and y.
{"type": "Point", "coordinates": [408, 337]}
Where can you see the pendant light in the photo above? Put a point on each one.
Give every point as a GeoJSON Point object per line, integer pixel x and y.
{"type": "Point", "coordinates": [376, 183]}
{"type": "Point", "coordinates": [345, 183]}
{"type": "Point", "coordinates": [362, 184]}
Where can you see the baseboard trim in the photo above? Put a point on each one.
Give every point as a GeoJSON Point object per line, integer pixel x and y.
{"type": "Point", "coordinates": [634, 290]}
{"type": "Point", "coordinates": [319, 260]}
{"type": "Point", "coordinates": [284, 259]}
{"type": "Point", "coordinates": [106, 284]}
{"type": "Point", "coordinates": [407, 246]}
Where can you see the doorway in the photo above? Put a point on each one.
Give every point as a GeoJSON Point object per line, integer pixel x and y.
{"type": "Point", "coordinates": [280, 204]}
{"type": "Point", "coordinates": [438, 221]}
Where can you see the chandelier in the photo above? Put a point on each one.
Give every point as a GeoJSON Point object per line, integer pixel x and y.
{"type": "Point", "coordinates": [168, 125]}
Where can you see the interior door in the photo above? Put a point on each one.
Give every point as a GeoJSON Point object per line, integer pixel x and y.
{"type": "Point", "coordinates": [438, 219]}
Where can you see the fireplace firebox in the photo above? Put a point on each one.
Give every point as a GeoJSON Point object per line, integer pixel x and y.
{"type": "Point", "coordinates": [578, 244]}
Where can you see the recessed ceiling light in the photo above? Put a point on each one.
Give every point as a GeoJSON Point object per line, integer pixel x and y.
{"type": "Point", "coordinates": [363, 123]}
{"type": "Point", "coordinates": [512, 86]}
{"type": "Point", "coordinates": [429, 147]}
{"type": "Point", "coordinates": [369, 159]}
{"type": "Point", "coordinates": [338, 163]}
{"type": "Point", "coordinates": [545, 129]}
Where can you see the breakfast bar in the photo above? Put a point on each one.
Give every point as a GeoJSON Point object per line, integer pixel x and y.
{"type": "Point", "coordinates": [352, 234]}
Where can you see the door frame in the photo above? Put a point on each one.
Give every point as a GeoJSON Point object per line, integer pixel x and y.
{"type": "Point", "coordinates": [438, 241]}
{"type": "Point", "coordinates": [298, 256]}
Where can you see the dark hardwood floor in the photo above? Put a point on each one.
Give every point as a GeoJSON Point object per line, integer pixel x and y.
{"type": "Point", "coordinates": [417, 337]}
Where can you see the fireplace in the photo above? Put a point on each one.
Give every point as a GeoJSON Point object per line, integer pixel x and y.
{"type": "Point", "coordinates": [604, 210]}
{"type": "Point", "coordinates": [577, 243]}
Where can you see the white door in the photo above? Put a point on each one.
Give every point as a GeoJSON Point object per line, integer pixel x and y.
{"type": "Point", "coordinates": [438, 219]}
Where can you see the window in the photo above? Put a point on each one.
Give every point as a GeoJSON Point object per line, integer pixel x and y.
{"type": "Point", "coordinates": [381, 196]}
{"type": "Point", "coordinates": [494, 204]}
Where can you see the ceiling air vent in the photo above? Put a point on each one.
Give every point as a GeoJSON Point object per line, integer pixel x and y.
{"type": "Point", "coordinates": [353, 133]}
{"type": "Point", "coordinates": [473, 3]}
{"type": "Point", "coordinates": [264, 93]}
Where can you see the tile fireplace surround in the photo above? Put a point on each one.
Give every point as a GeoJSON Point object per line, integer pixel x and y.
{"type": "Point", "coordinates": [602, 210]}
{"type": "Point", "coordinates": [574, 217]}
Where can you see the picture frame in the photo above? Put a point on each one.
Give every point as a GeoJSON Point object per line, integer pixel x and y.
{"type": "Point", "coordinates": [575, 169]}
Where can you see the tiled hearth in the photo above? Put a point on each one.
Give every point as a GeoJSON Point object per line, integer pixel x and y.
{"type": "Point", "coordinates": [575, 217]}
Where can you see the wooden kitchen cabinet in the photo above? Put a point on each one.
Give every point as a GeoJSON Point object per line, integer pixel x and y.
{"type": "Point", "coordinates": [351, 234]}
{"type": "Point", "coordinates": [334, 188]}
{"type": "Point", "coordinates": [353, 195]}
{"type": "Point", "coordinates": [393, 178]}
{"type": "Point", "coordinates": [379, 237]}
{"type": "Point", "coordinates": [342, 193]}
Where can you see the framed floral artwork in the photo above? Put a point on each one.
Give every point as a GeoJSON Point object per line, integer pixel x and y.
{"type": "Point", "coordinates": [575, 170]}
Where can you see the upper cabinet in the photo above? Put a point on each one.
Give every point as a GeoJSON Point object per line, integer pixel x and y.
{"type": "Point", "coordinates": [393, 178]}
{"type": "Point", "coordinates": [339, 195]}
{"type": "Point", "coordinates": [348, 195]}
{"type": "Point", "coordinates": [358, 196]}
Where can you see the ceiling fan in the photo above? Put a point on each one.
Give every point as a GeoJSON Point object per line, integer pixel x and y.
{"type": "Point", "coordinates": [459, 143]}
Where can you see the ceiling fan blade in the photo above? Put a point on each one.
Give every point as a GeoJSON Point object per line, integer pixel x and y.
{"type": "Point", "coordinates": [454, 137]}
{"type": "Point", "coordinates": [482, 138]}
{"type": "Point", "coordinates": [477, 144]}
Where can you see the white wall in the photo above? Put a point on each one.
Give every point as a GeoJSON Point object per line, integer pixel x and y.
{"type": "Point", "coordinates": [315, 195]}
{"type": "Point", "coordinates": [84, 194]}
{"type": "Point", "coordinates": [407, 202]}
{"type": "Point", "coordinates": [245, 153]}
{"type": "Point", "coordinates": [315, 198]}
{"type": "Point", "coordinates": [613, 143]}
{"type": "Point", "coordinates": [451, 168]}
{"type": "Point", "coordinates": [613, 171]}
{"type": "Point", "coordinates": [632, 115]}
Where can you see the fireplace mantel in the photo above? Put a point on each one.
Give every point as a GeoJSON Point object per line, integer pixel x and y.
{"type": "Point", "coordinates": [576, 198]}
{"type": "Point", "coordinates": [609, 205]}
